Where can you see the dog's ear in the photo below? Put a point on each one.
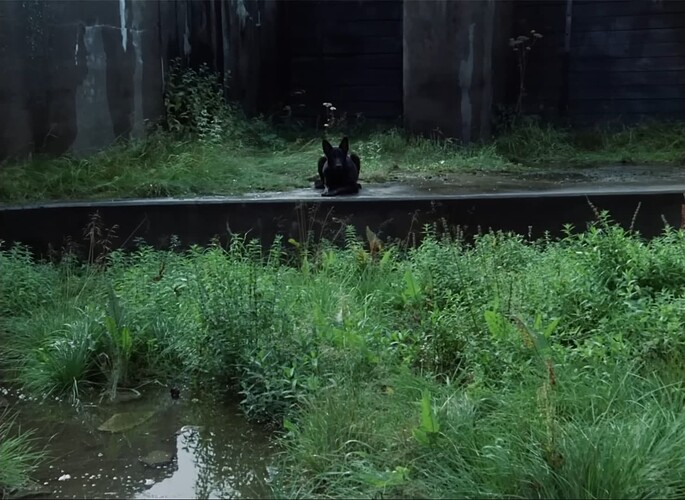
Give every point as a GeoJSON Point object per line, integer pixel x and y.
{"type": "Point", "coordinates": [327, 148]}
{"type": "Point", "coordinates": [345, 145]}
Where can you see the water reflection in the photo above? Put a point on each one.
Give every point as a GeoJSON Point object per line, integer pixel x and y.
{"type": "Point", "coordinates": [199, 450]}
{"type": "Point", "coordinates": [206, 467]}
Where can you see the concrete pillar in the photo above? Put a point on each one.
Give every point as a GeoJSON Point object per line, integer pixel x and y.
{"type": "Point", "coordinates": [253, 48]}
{"type": "Point", "coordinates": [16, 133]}
{"type": "Point", "coordinates": [449, 49]}
{"type": "Point", "coordinates": [78, 74]}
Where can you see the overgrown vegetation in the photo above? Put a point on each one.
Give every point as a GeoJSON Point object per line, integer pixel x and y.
{"type": "Point", "coordinates": [207, 147]}
{"type": "Point", "coordinates": [505, 368]}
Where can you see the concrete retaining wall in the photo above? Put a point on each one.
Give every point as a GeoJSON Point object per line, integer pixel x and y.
{"type": "Point", "coordinates": [197, 221]}
{"type": "Point", "coordinates": [77, 74]}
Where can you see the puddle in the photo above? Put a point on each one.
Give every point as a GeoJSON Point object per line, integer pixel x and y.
{"type": "Point", "coordinates": [194, 450]}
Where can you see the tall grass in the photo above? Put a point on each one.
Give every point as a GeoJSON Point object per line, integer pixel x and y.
{"type": "Point", "coordinates": [532, 142]}
{"type": "Point", "coordinates": [502, 368]}
{"type": "Point", "coordinates": [614, 441]}
{"type": "Point", "coordinates": [19, 455]}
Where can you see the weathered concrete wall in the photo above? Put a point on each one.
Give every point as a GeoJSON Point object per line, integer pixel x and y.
{"type": "Point", "coordinates": [253, 36]}
{"type": "Point", "coordinates": [392, 218]}
{"type": "Point", "coordinates": [450, 47]}
{"type": "Point", "coordinates": [79, 74]}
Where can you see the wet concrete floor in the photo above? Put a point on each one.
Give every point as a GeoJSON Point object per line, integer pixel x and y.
{"type": "Point", "coordinates": [620, 178]}
{"type": "Point", "coordinates": [497, 184]}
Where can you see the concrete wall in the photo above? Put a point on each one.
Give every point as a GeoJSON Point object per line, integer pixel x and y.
{"type": "Point", "coordinates": [392, 218]}
{"type": "Point", "coordinates": [449, 49]}
{"type": "Point", "coordinates": [253, 37]}
{"type": "Point", "coordinates": [78, 74]}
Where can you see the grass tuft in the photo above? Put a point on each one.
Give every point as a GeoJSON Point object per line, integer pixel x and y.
{"type": "Point", "coordinates": [19, 456]}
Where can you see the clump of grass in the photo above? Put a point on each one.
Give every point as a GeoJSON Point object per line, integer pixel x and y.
{"type": "Point", "coordinates": [532, 143]}
{"type": "Point", "coordinates": [647, 142]}
{"type": "Point", "coordinates": [620, 442]}
{"type": "Point", "coordinates": [19, 456]}
{"type": "Point", "coordinates": [62, 356]}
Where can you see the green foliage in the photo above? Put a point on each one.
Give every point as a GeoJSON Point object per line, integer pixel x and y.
{"type": "Point", "coordinates": [443, 370]}
{"type": "Point", "coordinates": [195, 104]}
{"type": "Point", "coordinates": [427, 433]}
{"type": "Point", "coordinates": [118, 344]}
{"type": "Point", "coordinates": [23, 286]}
{"type": "Point", "coordinates": [208, 147]}
{"type": "Point", "coordinates": [529, 141]}
{"type": "Point", "coordinates": [19, 456]}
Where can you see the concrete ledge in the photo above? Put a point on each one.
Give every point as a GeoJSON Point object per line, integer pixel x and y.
{"type": "Point", "coordinates": [198, 220]}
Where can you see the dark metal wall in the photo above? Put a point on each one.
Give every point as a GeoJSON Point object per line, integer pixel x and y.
{"type": "Point", "coordinates": [348, 53]}
{"type": "Point", "coordinates": [626, 59]}
{"type": "Point", "coordinates": [79, 74]}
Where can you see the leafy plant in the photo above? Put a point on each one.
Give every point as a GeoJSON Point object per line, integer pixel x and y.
{"type": "Point", "coordinates": [521, 46]}
{"type": "Point", "coordinates": [195, 105]}
{"type": "Point", "coordinates": [428, 431]}
{"type": "Point", "coordinates": [115, 358]}
{"type": "Point", "coordinates": [525, 354]}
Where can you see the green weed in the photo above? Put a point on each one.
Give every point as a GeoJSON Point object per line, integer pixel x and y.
{"type": "Point", "coordinates": [19, 455]}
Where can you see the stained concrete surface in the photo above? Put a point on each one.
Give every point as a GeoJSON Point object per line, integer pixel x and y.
{"type": "Point", "coordinates": [451, 53]}
{"type": "Point", "coordinates": [595, 180]}
{"type": "Point", "coordinates": [606, 180]}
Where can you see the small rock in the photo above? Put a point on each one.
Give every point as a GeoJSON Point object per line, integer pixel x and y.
{"type": "Point", "coordinates": [32, 490]}
{"type": "Point", "coordinates": [157, 458]}
{"type": "Point", "coordinates": [64, 477]}
{"type": "Point", "coordinates": [121, 422]}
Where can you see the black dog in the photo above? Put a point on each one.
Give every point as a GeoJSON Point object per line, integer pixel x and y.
{"type": "Point", "coordinates": [338, 170]}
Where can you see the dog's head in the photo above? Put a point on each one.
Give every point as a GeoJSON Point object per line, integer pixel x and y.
{"type": "Point", "coordinates": [336, 156]}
